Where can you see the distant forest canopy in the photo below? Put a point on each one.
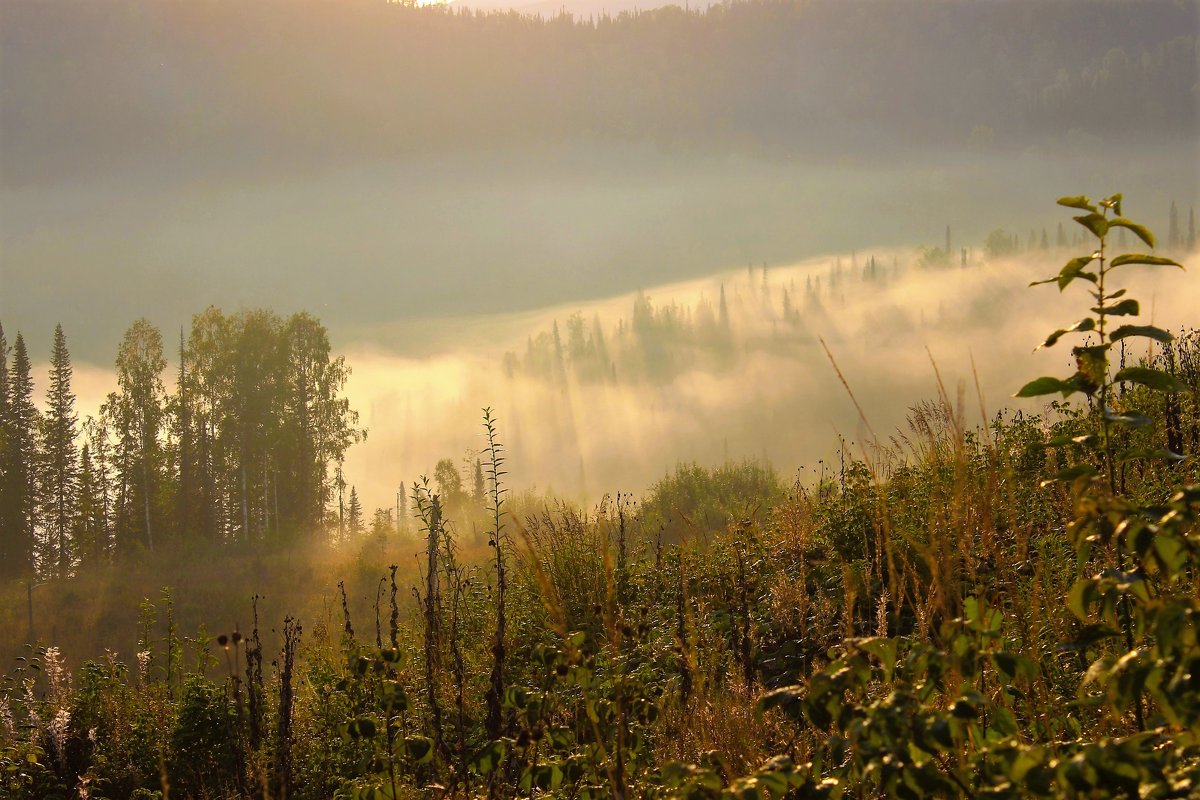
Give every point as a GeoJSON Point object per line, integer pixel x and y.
{"type": "Point", "coordinates": [658, 341]}
{"type": "Point", "coordinates": [245, 448]}
{"type": "Point", "coordinates": [99, 85]}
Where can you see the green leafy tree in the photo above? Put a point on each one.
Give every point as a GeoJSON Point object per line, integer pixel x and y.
{"type": "Point", "coordinates": [136, 412]}
{"type": "Point", "coordinates": [318, 425]}
{"type": "Point", "coordinates": [449, 484]}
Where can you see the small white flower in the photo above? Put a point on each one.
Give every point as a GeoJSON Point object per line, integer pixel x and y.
{"type": "Point", "coordinates": [143, 665]}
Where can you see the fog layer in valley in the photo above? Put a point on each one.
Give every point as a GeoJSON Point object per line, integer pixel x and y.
{"type": "Point", "coordinates": [681, 384]}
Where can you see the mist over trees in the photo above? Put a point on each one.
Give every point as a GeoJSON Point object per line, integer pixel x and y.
{"type": "Point", "coordinates": [101, 85]}
{"type": "Point", "coordinates": [241, 450]}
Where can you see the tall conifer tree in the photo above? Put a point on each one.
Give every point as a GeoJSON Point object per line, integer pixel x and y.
{"type": "Point", "coordinates": [60, 462]}
{"type": "Point", "coordinates": [8, 539]}
{"type": "Point", "coordinates": [89, 529]}
{"type": "Point", "coordinates": [354, 513]}
{"type": "Point", "coordinates": [20, 473]}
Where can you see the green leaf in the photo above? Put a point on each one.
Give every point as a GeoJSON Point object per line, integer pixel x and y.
{"type": "Point", "coordinates": [361, 728]}
{"type": "Point", "coordinates": [515, 697]}
{"type": "Point", "coordinates": [1171, 553]}
{"type": "Point", "coordinates": [788, 699]}
{"type": "Point", "coordinates": [489, 758]}
{"type": "Point", "coordinates": [883, 649]}
{"type": "Point", "coordinates": [1145, 452]}
{"type": "Point", "coordinates": [1072, 473]}
{"type": "Point", "coordinates": [419, 749]}
{"type": "Point", "coordinates": [1113, 202]}
{"type": "Point", "coordinates": [1149, 331]}
{"type": "Point", "coordinates": [1071, 270]}
{"type": "Point", "coordinates": [1152, 378]}
{"type": "Point", "coordinates": [1093, 366]}
{"type": "Point", "coordinates": [1079, 596]}
{"type": "Point", "coordinates": [1153, 261]}
{"type": "Point", "coordinates": [1142, 231]}
{"type": "Point", "coordinates": [1095, 223]}
{"type": "Point", "coordinates": [1125, 308]}
{"type": "Point", "coordinates": [393, 696]}
{"type": "Point", "coordinates": [1047, 385]}
{"type": "Point", "coordinates": [1130, 419]}
{"type": "Point", "coordinates": [1003, 724]}
{"type": "Point", "coordinates": [1078, 201]}
{"type": "Point", "coordinates": [1086, 324]}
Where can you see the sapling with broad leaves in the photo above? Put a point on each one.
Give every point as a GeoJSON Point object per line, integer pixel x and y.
{"type": "Point", "coordinates": [1092, 358]}
{"type": "Point", "coordinates": [1146, 593]}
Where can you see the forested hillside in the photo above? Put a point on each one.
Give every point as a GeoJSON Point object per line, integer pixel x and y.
{"type": "Point", "coordinates": [134, 80]}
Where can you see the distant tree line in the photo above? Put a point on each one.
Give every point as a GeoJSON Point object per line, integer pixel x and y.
{"type": "Point", "coordinates": [372, 78]}
{"type": "Point", "coordinates": [240, 451]}
{"type": "Point", "coordinates": [656, 342]}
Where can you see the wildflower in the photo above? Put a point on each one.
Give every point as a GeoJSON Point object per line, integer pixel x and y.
{"type": "Point", "coordinates": [57, 677]}
{"type": "Point", "coordinates": [58, 729]}
{"type": "Point", "coordinates": [8, 725]}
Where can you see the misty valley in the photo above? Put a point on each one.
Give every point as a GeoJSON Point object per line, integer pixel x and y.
{"type": "Point", "coordinates": [477, 400]}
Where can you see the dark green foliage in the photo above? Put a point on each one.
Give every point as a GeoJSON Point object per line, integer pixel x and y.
{"type": "Point", "coordinates": [205, 747]}
{"type": "Point", "coordinates": [59, 489]}
{"type": "Point", "coordinates": [696, 501]}
{"type": "Point", "coordinates": [21, 454]}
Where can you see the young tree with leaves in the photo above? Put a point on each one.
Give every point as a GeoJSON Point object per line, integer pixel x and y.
{"type": "Point", "coordinates": [136, 412]}
{"type": "Point", "coordinates": [317, 425]}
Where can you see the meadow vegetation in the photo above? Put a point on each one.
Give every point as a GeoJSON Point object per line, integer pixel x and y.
{"type": "Point", "coordinates": [1007, 610]}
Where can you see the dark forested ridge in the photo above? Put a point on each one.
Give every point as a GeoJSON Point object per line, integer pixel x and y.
{"type": "Point", "coordinates": [98, 86]}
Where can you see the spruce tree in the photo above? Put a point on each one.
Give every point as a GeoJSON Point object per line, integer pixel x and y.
{"type": "Point", "coordinates": [1174, 239]}
{"type": "Point", "coordinates": [354, 513]}
{"type": "Point", "coordinates": [20, 472]}
{"type": "Point", "coordinates": [479, 495]}
{"type": "Point", "coordinates": [88, 533]}
{"type": "Point", "coordinates": [58, 486]}
{"type": "Point", "coordinates": [7, 533]}
{"type": "Point", "coordinates": [99, 464]}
